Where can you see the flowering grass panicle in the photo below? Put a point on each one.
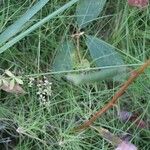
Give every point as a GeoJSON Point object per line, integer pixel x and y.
{"type": "Point", "coordinates": [44, 90]}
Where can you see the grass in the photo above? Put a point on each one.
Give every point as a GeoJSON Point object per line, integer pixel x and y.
{"type": "Point", "coordinates": [48, 127]}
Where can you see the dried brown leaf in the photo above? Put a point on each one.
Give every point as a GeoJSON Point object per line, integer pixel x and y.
{"type": "Point", "coordinates": [17, 89]}
{"type": "Point", "coordinates": [115, 140]}
{"type": "Point", "coordinates": [107, 135]}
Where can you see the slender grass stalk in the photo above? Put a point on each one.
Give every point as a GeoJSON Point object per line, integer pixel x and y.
{"type": "Point", "coordinates": [37, 25]}
{"type": "Point", "coordinates": [19, 24]}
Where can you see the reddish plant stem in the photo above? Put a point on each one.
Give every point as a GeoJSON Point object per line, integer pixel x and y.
{"type": "Point", "coordinates": [115, 98]}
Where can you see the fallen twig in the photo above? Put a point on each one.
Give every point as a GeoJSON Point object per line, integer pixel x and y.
{"type": "Point", "coordinates": [135, 74]}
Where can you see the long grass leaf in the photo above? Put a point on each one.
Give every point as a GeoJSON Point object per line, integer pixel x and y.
{"type": "Point", "coordinates": [37, 25]}
{"type": "Point", "coordinates": [18, 25]}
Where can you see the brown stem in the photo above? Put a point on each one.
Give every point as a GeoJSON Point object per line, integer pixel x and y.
{"type": "Point", "coordinates": [77, 36]}
{"type": "Point", "coordinates": [115, 98]}
{"type": "Point", "coordinates": [78, 46]}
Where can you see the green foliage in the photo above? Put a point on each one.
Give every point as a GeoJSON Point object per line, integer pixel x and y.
{"type": "Point", "coordinates": [63, 60]}
{"type": "Point", "coordinates": [102, 53]}
{"type": "Point", "coordinates": [35, 26]}
{"type": "Point", "coordinates": [88, 10]}
{"type": "Point", "coordinates": [48, 126]}
{"type": "Point", "coordinates": [92, 77]}
{"type": "Point", "coordinates": [21, 22]}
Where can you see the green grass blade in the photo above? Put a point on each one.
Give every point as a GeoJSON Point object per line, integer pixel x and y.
{"type": "Point", "coordinates": [37, 25]}
{"type": "Point", "coordinates": [18, 25]}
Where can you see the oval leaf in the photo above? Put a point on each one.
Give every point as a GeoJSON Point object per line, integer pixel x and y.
{"type": "Point", "coordinates": [102, 53]}
{"type": "Point", "coordinates": [88, 10]}
{"type": "Point", "coordinates": [63, 61]}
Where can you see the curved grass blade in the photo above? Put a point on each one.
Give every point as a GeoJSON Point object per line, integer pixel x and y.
{"type": "Point", "coordinates": [37, 25]}
{"type": "Point", "coordinates": [19, 24]}
{"type": "Point", "coordinates": [88, 10]}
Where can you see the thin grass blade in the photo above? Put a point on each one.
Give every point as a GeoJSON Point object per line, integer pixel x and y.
{"type": "Point", "coordinates": [19, 24]}
{"type": "Point", "coordinates": [37, 25]}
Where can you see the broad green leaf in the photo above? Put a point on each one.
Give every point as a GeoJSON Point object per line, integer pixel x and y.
{"type": "Point", "coordinates": [19, 24]}
{"type": "Point", "coordinates": [63, 59]}
{"type": "Point", "coordinates": [91, 76]}
{"type": "Point", "coordinates": [88, 10]}
{"type": "Point", "coordinates": [102, 53]}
